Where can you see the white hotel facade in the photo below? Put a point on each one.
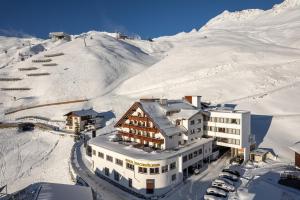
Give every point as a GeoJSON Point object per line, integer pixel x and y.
{"type": "Point", "coordinates": [159, 142]}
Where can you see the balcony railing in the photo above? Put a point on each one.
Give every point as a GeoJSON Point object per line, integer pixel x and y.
{"type": "Point", "coordinates": [137, 118]}
{"type": "Point", "coordinates": [141, 128]}
{"type": "Point", "coordinates": [141, 137]}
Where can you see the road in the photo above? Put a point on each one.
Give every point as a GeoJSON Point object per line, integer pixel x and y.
{"type": "Point", "coordinates": [105, 190]}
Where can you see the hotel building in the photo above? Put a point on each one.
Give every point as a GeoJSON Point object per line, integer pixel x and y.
{"type": "Point", "coordinates": [159, 142]}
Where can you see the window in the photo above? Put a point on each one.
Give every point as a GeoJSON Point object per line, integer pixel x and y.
{"type": "Point", "coordinates": [164, 169]}
{"type": "Point", "coordinates": [173, 177]}
{"type": "Point", "coordinates": [184, 159]}
{"type": "Point", "coordinates": [199, 121]}
{"type": "Point", "coordinates": [172, 165]}
{"type": "Point", "coordinates": [142, 170]}
{"type": "Point", "coordinates": [190, 156]}
{"type": "Point", "coordinates": [130, 166]}
{"type": "Point", "coordinates": [130, 182]}
{"type": "Point", "coordinates": [235, 121]}
{"type": "Point", "coordinates": [116, 176]}
{"type": "Point", "coordinates": [222, 130]}
{"type": "Point", "coordinates": [154, 170]}
{"type": "Point", "coordinates": [170, 137]}
{"type": "Point", "coordinates": [100, 155]}
{"type": "Point", "coordinates": [198, 130]}
{"type": "Point", "coordinates": [119, 162]}
{"type": "Point", "coordinates": [94, 152]}
{"type": "Point", "coordinates": [109, 158]}
{"type": "Point", "coordinates": [192, 131]}
{"type": "Point", "coordinates": [106, 171]}
{"type": "Point", "coordinates": [192, 122]}
{"type": "Point", "coordinates": [195, 153]}
{"type": "Point", "coordinates": [200, 151]}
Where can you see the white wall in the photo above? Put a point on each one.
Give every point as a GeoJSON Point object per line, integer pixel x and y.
{"type": "Point", "coordinates": [163, 181]}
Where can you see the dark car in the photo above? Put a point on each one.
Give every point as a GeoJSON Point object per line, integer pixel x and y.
{"type": "Point", "coordinates": [234, 172]}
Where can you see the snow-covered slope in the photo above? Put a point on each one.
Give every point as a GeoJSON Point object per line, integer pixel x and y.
{"type": "Point", "coordinates": [250, 58]}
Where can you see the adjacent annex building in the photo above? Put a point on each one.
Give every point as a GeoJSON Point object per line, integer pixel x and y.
{"type": "Point", "coordinates": [160, 142]}
{"type": "Point", "coordinates": [80, 120]}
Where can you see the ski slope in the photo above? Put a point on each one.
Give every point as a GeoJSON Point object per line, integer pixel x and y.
{"type": "Point", "coordinates": [249, 58]}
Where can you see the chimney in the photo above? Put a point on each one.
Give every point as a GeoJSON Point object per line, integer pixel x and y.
{"type": "Point", "coordinates": [194, 100]}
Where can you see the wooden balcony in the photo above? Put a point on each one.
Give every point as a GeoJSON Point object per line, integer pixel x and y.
{"type": "Point", "coordinates": [141, 128]}
{"type": "Point", "coordinates": [141, 137]}
{"type": "Point", "coordinates": [137, 118]}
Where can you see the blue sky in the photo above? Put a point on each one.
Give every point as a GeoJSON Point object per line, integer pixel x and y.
{"type": "Point", "coordinates": [147, 18]}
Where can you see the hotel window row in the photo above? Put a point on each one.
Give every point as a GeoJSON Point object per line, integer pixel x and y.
{"type": "Point", "coordinates": [222, 120]}
{"type": "Point", "coordinates": [192, 122]}
{"type": "Point", "coordinates": [228, 140]}
{"type": "Point", "coordinates": [192, 155]}
{"type": "Point", "coordinates": [222, 130]}
{"type": "Point", "coordinates": [143, 133]}
{"type": "Point", "coordinates": [142, 170]}
{"type": "Point", "coordinates": [142, 124]}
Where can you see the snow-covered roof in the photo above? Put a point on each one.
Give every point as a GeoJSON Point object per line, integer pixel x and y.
{"type": "Point", "coordinates": [54, 191]}
{"type": "Point", "coordinates": [158, 113]}
{"type": "Point", "coordinates": [296, 147]}
{"type": "Point", "coordinates": [104, 141]}
{"type": "Point", "coordinates": [184, 114]}
{"type": "Point", "coordinates": [81, 113]}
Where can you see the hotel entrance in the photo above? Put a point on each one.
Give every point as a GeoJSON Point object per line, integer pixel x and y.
{"type": "Point", "coordinates": [150, 185]}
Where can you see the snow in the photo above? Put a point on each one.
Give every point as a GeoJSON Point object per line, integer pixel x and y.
{"type": "Point", "coordinates": [248, 58]}
{"type": "Point", "coordinates": [30, 157]}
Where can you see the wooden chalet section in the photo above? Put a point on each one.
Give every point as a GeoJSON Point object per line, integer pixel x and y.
{"type": "Point", "coordinates": [136, 125]}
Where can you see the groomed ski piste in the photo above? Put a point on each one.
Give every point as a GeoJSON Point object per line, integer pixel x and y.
{"type": "Point", "coordinates": [249, 58]}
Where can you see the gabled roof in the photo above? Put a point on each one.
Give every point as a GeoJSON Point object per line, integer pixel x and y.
{"type": "Point", "coordinates": [157, 114]}
{"type": "Point", "coordinates": [154, 111]}
{"type": "Point", "coordinates": [81, 113]}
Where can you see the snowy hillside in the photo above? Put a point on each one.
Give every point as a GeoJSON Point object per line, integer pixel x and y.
{"type": "Point", "coordinates": [249, 58]}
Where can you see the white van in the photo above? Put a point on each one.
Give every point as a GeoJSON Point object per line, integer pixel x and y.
{"type": "Point", "coordinates": [223, 185]}
{"type": "Point", "coordinates": [228, 176]}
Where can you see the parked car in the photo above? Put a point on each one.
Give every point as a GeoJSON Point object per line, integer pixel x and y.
{"type": "Point", "coordinates": [212, 197]}
{"type": "Point", "coordinates": [230, 171]}
{"type": "Point", "coordinates": [216, 192]}
{"type": "Point", "coordinates": [223, 186]}
{"type": "Point", "coordinates": [229, 176]}
{"type": "Point", "coordinates": [224, 180]}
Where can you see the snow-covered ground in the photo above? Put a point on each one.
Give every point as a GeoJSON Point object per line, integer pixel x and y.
{"type": "Point", "coordinates": [249, 58]}
{"type": "Point", "coordinates": [34, 156]}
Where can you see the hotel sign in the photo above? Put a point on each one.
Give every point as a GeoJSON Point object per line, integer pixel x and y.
{"type": "Point", "coordinates": [141, 164]}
